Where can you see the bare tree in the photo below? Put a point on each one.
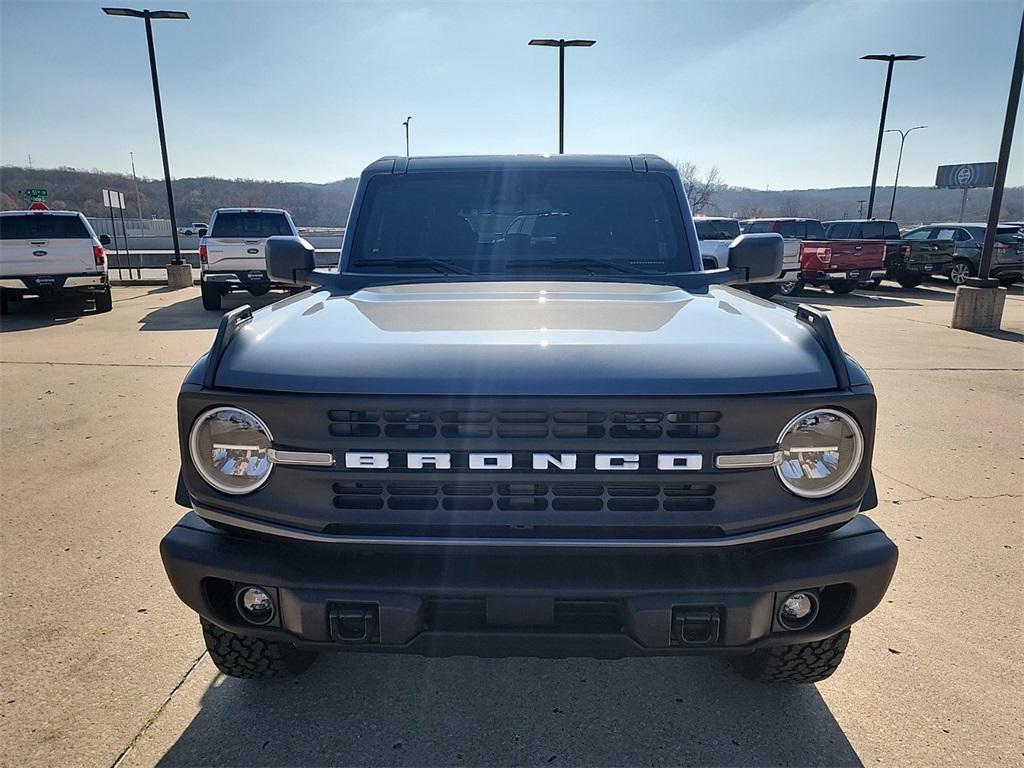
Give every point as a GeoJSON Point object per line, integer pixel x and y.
{"type": "Point", "coordinates": [700, 191]}
{"type": "Point", "coordinates": [791, 205]}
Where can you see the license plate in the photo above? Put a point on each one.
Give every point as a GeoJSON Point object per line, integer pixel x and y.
{"type": "Point", "coordinates": [257, 276]}
{"type": "Point", "coordinates": [45, 280]}
{"type": "Point", "coordinates": [928, 267]}
{"type": "Point", "coordinates": [853, 275]}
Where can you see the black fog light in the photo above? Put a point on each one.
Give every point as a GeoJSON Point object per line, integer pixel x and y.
{"type": "Point", "coordinates": [255, 604]}
{"type": "Point", "coordinates": [798, 610]}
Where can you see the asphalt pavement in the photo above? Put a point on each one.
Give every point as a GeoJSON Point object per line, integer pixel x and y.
{"type": "Point", "coordinates": [102, 665]}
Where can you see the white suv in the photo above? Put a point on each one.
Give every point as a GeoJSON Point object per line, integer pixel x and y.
{"type": "Point", "coordinates": [51, 254]}
{"type": "Point", "coordinates": [232, 255]}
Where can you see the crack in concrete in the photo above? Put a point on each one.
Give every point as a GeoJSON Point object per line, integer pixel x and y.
{"type": "Point", "coordinates": [926, 496]}
{"type": "Point", "coordinates": [98, 365]}
{"type": "Point", "coordinates": [157, 712]}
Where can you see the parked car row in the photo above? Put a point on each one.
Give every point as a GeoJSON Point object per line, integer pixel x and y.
{"type": "Point", "coordinates": [847, 254]}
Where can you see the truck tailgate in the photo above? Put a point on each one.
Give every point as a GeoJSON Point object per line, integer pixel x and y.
{"type": "Point", "coordinates": [841, 255]}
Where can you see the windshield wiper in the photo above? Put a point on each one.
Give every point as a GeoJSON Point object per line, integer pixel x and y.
{"type": "Point", "coordinates": [440, 265]}
{"type": "Point", "coordinates": [580, 263]}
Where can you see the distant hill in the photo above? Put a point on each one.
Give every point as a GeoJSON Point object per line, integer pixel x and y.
{"type": "Point", "coordinates": [311, 205]}
{"type": "Point", "coordinates": [322, 205]}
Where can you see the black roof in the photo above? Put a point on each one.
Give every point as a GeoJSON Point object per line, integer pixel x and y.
{"type": "Point", "coordinates": [524, 162]}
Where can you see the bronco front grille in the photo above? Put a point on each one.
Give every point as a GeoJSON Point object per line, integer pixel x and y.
{"type": "Point", "coordinates": [524, 496]}
{"type": "Point", "coordinates": [522, 425]}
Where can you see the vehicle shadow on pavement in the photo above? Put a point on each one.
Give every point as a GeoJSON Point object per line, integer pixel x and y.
{"type": "Point", "coordinates": [353, 709]}
{"type": "Point", "coordinates": [189, 315]}
{"type": "Point", "coordinates": [866, 299]}
{"type": "Point", "coordinates": [29, 314]}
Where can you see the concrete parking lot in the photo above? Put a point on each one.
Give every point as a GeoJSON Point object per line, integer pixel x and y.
{"type": "Point", "coordinates": [102, 665]}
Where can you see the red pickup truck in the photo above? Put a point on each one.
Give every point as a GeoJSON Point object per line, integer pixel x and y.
{"type": "Point", "coordinates": [840, 264]}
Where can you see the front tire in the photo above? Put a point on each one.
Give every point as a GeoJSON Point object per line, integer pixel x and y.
{"type": "Point", "coordinates": [104, 301]}
{"type": "Point", "coordinates": [764, 290]}
{"type": "Point", "coordinates": [960, 272]}
{"type": "Point", "coordinates": [211, 296]}
{"type": "Point", "coordinates": [796, 664]}
{"type": "Point", "coordinates": [3, 302]}
{"type": "Point", "coordinates": [842, 286]}
{"type": "Point", "coordinates": [254, 658]}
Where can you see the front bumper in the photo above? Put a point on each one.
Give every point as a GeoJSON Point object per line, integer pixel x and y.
{"type": "Point", "coordinates": [539, 603]}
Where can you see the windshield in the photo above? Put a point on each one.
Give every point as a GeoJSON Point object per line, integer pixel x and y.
{"type": "Point", "coordinates": [250, 224]}
{"type": "Point", "coordinates": [717, 229]}
{"type": "Point", "coordinates": [880, 230]}
{"type": "Point", "coordinates": [478, 222]}
{"type": "Point", "coordinates": [42, 227]}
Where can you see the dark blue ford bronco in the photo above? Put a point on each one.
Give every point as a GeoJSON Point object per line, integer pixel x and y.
{"type": "Point", "coordinates": [519, 419]}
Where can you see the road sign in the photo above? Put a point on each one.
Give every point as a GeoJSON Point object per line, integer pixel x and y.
{"type": "Point", "coordinates": [35, 193]}
{"type": "Point", "coordinates": [965, 175]}
{"type": "Point", "coordinates": [38, 206]}
{"type": "Point", "coordinates": [113, 199]}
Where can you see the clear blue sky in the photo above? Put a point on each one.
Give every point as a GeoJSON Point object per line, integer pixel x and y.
{"type": "Point", "coordinates": [770, 92]}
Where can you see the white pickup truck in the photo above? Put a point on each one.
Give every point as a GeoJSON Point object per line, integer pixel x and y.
{"type": "Point", "coordinates": [716, 232]}
{"type": "Point", "coordinates": [51, 254]}
{"type": "Point", "coordinates": [231, 253]}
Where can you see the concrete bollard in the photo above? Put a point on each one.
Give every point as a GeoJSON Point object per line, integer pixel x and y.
{"type": "Point", "coordinates": [179, 276]}
{"type": "Point", "coordinates": [978, 308]}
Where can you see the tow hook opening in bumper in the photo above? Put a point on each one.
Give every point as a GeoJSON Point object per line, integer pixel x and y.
{"type": "Point", "coordinates": [696, 626]}
{"type": "Point", "coordinates": [354, 622]}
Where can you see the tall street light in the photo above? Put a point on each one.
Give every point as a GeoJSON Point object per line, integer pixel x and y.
{"type": "Point", "coordinates": [892, 58]}
{"type": "Point", "coordinates": [561, 45]}
{"type": "Point", "coordinates": [896, 182]}
{"type": "Point", "coordinates": [406, 124]}
{"type": "Point", "coordinates": [148, 16]}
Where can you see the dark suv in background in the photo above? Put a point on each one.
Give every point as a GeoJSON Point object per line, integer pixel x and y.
{"type": "Point", "coordinates": [908, 262]}
{"type": "Point", "coordinates": [968, 239]}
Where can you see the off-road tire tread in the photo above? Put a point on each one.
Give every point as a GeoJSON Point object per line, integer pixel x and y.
{"type": "Point", "coordinates": [254, 657]}
{"type": "Point", "coordinates": [796, 664]}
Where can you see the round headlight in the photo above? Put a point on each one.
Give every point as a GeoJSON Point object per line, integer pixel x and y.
{"type": "Point", "coordinates": [821, 452]}
{"type": "Point", "coordinates": [230, 448]}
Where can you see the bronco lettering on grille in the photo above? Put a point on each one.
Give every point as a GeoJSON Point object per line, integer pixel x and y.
{"type": "Point", "coordinates": [565, 462]}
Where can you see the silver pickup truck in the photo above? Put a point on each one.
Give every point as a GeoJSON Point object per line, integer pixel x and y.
{"type": "Point", "coordinates": [715, 233]}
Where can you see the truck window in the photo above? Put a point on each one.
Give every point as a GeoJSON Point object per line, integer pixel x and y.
{"type": "Point", "coordinates": [840, 231]}
{"type": "Point", "coordinates": [250, 224]}
{"type": "Point", "coordinates": [796, 229]}
{"type": "Point", "coordinates": [759, 227]}
{"type": "Point", "coordinates": [918, 234]}
{"type": "Point", "coordinates": [42, 227]}
{"type": "Point", "coordinates": [484, 220]}
{"type": "Point", "coordinates": [717, 229]}
{"type": "Point", "coordinates": [879, 230]}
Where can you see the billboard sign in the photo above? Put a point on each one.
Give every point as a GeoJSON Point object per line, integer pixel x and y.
{"type": "Point", "coordinates": [965, 175]}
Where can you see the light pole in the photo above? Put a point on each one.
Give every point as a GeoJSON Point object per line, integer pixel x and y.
{"type": "Point", "coordinates": [406, 124]}
{"type": "Point", "coordinates": [896, 182]}
{"type": "Point", "coordinates": [561, 45]}
{"type": "Point", "coordinates": [148, 17]}
{"type": "Point", "coordinates": [138, 200]}
{"type": "Point", "coordinates": [892, 58]}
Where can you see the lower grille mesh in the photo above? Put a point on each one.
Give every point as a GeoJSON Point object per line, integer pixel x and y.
{"type": "Point", "coordinates": [525, 497]}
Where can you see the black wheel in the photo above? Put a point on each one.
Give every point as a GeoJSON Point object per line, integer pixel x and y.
{"type": "Point", "coordinates": [791, 288]}
{"type": "Point", "coordinates": [842, 286]}
{"type": "Point", "coordinates": [253, 657]}
{"type": "Point", "coordinates": [764, 290]}
{"type": "Point", "coordinates": [261, 291]}
{"type": "Point", "coordinates": [796, 664]}
{"type": "Point", "coordinates": [211, 296]}
{"type": "Point", "coordinates": [960, 271]}
{"type": "Point", "coordinates": [911, 282]}
{"type": "Point", "coordinates": [3, 302]}
{"type": "Point", "coordinates": [872, 285]}
{"type": "Point", "coordinates": [104, 302]}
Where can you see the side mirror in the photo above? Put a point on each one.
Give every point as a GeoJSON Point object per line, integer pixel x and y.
{"type": "Point", "coordinates": [758, 256]}
{"type": "Point", "coordinates": [104, 239]}
{"type": "Point", "coordinates": [290, 260]}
